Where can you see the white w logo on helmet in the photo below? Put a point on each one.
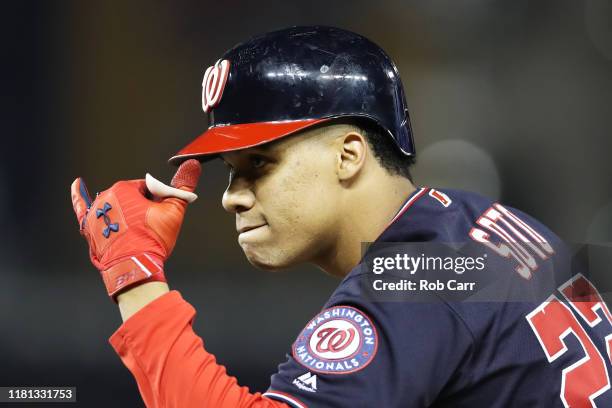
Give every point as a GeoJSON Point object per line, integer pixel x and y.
{"type": "Point", "coordinates": [213, 83]}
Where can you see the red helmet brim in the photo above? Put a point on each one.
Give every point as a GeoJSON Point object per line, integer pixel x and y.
{"type": "Point", "coordinates": [220, 139]}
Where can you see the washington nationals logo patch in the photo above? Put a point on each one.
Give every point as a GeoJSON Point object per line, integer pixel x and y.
{"type": "Point", "coordinates": [213, 84]}
{"type": "Point", "coordinates": [339, 340]}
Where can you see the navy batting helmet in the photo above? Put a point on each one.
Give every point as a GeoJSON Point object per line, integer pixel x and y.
{"type": "Point", "coordinates": [284, 81]}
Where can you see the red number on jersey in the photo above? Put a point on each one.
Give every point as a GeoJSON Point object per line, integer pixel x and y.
{"type": "Point", "coordinates": [552, 321]}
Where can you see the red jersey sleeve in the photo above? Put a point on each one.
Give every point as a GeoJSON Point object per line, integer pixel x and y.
{"type": "Point", "coordinates": [171, 366]}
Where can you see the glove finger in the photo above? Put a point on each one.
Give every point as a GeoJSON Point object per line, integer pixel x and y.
{"type": "Point", "coordinates": [141, 185]}
{"type": "Point", "coordinates": [187, 175]}
{"type": "Point", "coordinates": [81, 201]}
{"type": "Point", "coordinates": [138, 184]}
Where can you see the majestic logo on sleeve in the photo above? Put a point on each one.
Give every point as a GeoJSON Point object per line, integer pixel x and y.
{"type": "Point", "coordinates": [306, 382]}
{"type": "Point", "coordinates": [213, 84]}
{"type": "Point", "coordinates": [339, 340]}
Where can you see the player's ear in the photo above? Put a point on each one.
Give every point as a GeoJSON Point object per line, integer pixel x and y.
{"type": "Point", "coordinates": [352, 150]}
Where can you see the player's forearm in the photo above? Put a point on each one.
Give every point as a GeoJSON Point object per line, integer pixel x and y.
{"type": "Point", "coordinates": [132, 300]}
{"type": "Point", "coordinates": [169, 362]}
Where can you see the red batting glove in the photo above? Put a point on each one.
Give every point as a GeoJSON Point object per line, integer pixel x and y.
{"type": "Point", "coordinates": [130, 236]}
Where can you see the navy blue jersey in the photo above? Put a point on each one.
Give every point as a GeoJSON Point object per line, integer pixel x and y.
{"type": "Point", "coordinates": [547, 344]}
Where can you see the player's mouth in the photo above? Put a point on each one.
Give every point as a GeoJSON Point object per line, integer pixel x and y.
{"type": "Point", "coordinates": [250, 230]}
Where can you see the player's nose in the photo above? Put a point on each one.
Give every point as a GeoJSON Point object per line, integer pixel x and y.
{"type": "Point", "coordinates": [238, 197]}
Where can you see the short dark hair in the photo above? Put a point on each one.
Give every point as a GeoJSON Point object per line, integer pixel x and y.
{"type": "Point", "coordinates": [382, 145]}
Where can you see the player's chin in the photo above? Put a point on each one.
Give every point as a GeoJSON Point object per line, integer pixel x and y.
{"type": "Point", "coordinates": [265, 266]}
{"type": "Point", "coordinates": [264, 261]}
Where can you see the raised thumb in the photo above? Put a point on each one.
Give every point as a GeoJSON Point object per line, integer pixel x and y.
{"type": "Point", "coordinates": [187, 175]}
{"type": "Point", "coordinates": [183, 183]}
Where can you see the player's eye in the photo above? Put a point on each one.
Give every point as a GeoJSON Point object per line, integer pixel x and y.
{"type": "Point", "coordinates": [257, 162]}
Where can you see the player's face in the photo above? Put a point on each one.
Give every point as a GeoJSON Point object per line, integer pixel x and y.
{"type": "Point", "coordinates": [284, 195]}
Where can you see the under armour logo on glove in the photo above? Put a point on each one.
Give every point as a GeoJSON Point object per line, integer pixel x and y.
{"type": "Point", "coordinates": [102, 212]}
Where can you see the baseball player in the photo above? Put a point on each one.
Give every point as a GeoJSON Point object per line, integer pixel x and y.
{"type": "Point", "coordinates": [314, 127]}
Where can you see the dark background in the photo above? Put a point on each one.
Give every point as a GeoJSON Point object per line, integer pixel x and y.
{"type": "Point", "coordinates": [509, 98]}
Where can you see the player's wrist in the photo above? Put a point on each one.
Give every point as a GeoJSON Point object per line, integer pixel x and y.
{"type": "Point", "coordinates": [132, 271]}
{"type": "Point", "coordinates": [135, 298]}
